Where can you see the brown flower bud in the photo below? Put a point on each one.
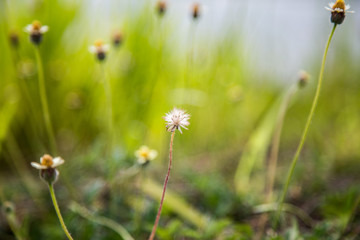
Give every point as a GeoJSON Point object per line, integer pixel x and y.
{"type": "Point", "coordinates": [195, 11]}
{"type": "Point", "coordinates": [303, 79]}
{"type": "Point", "coordinates": [161, 7]}
{"type": "Point", "coordinates": [14, 39]}
{"type": "Point", "coordinates": [117, 39]}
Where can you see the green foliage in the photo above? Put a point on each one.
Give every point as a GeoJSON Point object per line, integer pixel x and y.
{"type": "Point", "coordinates": [233, 107]}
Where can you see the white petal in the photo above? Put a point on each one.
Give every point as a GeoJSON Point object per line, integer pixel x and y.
{"type": "Point", "coordinates": [57, 162]}
{"type": "Point", "coordinates": [28, 28]}
{"type": "Point", "coordinates": [44, 29]}
{"type": "Point", "coordinates": [106, 47]}
{"type": "Point", "coordinates": [141, 160]}
{"type": "Point", "coordinates": [153, 154]}
{"type": "Point", "coordinates": [38, 165]}
{"type": "Point", "coordinates": [92, 49]}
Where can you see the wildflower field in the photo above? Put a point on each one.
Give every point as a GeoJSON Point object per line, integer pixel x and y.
{"type": "Point", "coordinates": [159, 120]}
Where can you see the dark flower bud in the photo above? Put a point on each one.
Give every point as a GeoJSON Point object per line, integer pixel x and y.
{"type": "Point", "coordinates": [49, 175]}
{"type": "Point", "coordinates": [8, 207]}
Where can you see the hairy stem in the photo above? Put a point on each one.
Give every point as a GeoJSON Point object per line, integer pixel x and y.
{"type": "Point", "coordinates": [164, 189]}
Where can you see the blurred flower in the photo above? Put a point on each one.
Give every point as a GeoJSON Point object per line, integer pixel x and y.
{"type": "Point", "coordinates": [14, 39]}
{"type": "Point", "coordinates": [161, 7]}
{"type": "Point", "coordinates": [117, 39]}
{"type": "Point", "coordinates": [144, 154]}
{"type": "Point", "coordinates": [36, 31]}
{"type": "Point", "coordinates": [338, 10]}
{"type": "Point", "coordinates": [47, 167]}
{"type": "Point", "coordinates": [99, 49]}
{"type": "Point", "coordinates": [303, 78]}
{"type": "Point", "coordinates": [195, 11]}
{"type": "Point", "coordinates": [176, 119]}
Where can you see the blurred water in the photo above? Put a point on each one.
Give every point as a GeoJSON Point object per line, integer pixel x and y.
{"type": "Point", "coordinates": [280, 36]}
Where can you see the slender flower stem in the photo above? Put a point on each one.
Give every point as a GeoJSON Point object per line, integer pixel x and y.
{"type": "Point", "coordinates": [306, 129]}
{"type": "Point", "coordinates": [107, 88]}
{"type": "Point", "coordinates": [274, 153]}
{"type": "Point", "coordinates": [57, 209]}
{"type": "Point", "coordinates": [44, 103]}
{"type": "Point", "coordinates": [164, 189]}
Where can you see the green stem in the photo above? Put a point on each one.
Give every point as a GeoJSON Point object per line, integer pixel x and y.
{"type": "Point", "coordinates": [107, 88]}
{"type": "Point", "coordinates": [44, 103]}
{"type": "Point", "coordinates": [85, 213]}
{"type": "Point", "coordinates": [307, 126]}
{"type": "Point", "coordinates": [298, 212]}
{"type": "Point", "coordinates": [57, 209]}
{"type": "Point", "coordinates": [274, 153]}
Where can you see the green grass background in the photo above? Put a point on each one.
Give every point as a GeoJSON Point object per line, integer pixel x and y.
{"type": "Point", "coordinates": [232, 110]}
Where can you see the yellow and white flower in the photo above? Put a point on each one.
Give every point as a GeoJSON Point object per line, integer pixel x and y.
{"type": "Point", "coordinates": [47, 167]}
{"type": "Point", "coordinates": [36, 31]}
{"type": "Point", "coordinates": [48, 161]}
{"type": "Point", "coordinates": [99, 49]}
{"type": "Point", "coordinates": [144, 154]}
{"type": "Point", "coordinates": [338, 10]}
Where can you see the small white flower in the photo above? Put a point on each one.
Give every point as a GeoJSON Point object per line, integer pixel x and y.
{"type": "Point", "coordinates": [36, 27]}
{"type": "Point", "coordinates": [339, 6]}
{"type": "Point", "coordinates": [144, 154]}
{"type": "Point", "coordinates": [99, 49]}
{"type": "Point", "coordinates": [47, 161]}
{"type": "Point", "coordinates": [176, 119]}
{"type": "Point", "coordinates": [36, 32]}
{"type": "Point", "coordinates": [338, 11]}
{"type": "Point", "coordinates": [99, 46]}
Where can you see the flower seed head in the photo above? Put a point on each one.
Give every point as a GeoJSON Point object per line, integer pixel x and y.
{"type": "Point", "coordinates": [338, 10]}
{"type": "Point", "coordinates": [303, 79]}
{"type": "Point", "coordinates": [99, 49]}
{"type": "Point", "coordinates": [36, 31]}
{"type": "Point", "coordinates": [176, 119]}
{"type": "Point", "coordinates": [195, 11]}
{"type": "Point", "coordinates": [161, 7]}
{"type": "Point", "coordinates": [144, 155]}
{"type": "Point", "coordinates": [47, 167]}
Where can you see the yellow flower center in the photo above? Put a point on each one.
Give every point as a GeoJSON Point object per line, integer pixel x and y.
{"type": "Point", "coordinates": [98, 43]}
{"type": "Point", "coordinates": [47, 160]}
{"type": "Point", "coordinates": [144, 154]}
{"type": "Point", "coordinates": [339, 4]}
{"type": "Point", "coordinates": [36, 25]}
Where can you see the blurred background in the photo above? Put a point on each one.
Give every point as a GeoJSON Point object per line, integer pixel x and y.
{"type": "Point", "coordinates": [230, 68]}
